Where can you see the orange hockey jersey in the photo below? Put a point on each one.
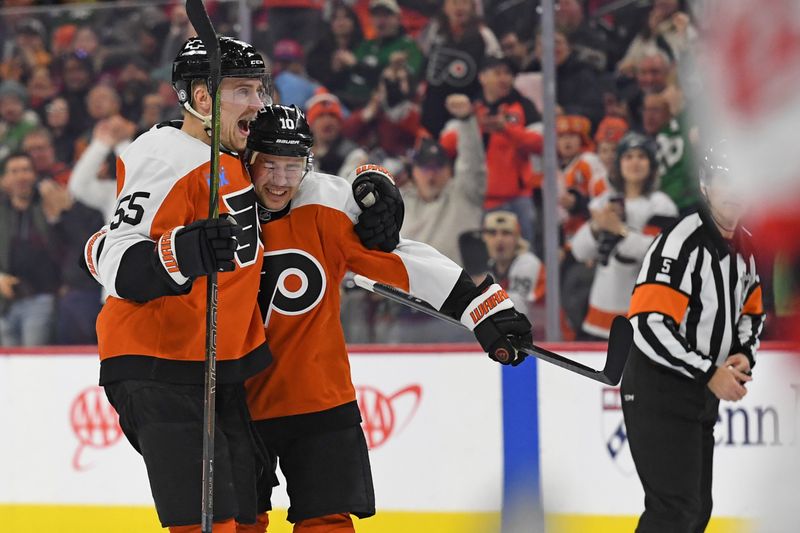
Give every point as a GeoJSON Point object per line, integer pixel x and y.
{"type": "Point", "coordinates": [307, 252]}
{"type": "Point", "coordinates": [163, 183]}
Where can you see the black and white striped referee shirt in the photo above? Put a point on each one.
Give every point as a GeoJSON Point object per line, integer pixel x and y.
{"type": "Point", "coordinates": [697, 299]}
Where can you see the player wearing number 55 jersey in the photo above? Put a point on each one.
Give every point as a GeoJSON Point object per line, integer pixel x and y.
{"type": "Point", "coordinates": [153, 259]}
{"type": "Point", "coordinates": [304, 405]}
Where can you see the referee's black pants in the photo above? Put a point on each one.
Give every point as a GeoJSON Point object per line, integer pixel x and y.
{"type": "Point", "coordinates": [670, 425]}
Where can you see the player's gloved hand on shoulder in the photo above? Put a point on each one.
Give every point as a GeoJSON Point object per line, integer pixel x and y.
{"type": "Point", "coordinates": [202, 247]}
{"type": "Point", "coordinates": [499, 328]}
{"type": "Point", "coordinates": [382, 207]}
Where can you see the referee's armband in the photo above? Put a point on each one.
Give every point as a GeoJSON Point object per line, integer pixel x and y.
{"type": "Point", "coordinates": [658, 298]}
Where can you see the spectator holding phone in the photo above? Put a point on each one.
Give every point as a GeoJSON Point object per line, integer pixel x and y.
{"type": "Point", "coordinates": [390, 45]}
{"type": "Point", "coordinates": [624, 222]}
{"type": "Point", "coordinates": [391, 119]}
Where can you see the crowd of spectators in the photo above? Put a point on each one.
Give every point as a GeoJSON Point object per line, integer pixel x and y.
{"type": "Point", "coordinates": [444, 93]}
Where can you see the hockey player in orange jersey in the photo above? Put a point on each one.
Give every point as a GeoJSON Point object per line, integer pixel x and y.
{"type": "Point", "coordinates": [153, 259]}
{"type": "Point", "coordinates": [304, 405]}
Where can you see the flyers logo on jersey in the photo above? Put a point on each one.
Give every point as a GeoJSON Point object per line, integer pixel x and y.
{"type": "Point", "coordinates": [242, 206]}
{"type": "Point", "coordinates": [483, 308]}
{"type": "Point", "coordinates": [292, 283]}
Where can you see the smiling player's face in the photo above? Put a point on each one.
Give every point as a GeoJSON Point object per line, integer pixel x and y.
{"type": "Point", "coordinates": [277, 178]}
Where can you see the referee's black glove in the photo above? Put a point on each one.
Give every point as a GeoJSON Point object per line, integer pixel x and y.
{"type": "Point", "coordinates": [379, 223]}
{"type": "Point", "coordinates": [202, 247]}
{"type": "Point", "coordinates": [500, 329]}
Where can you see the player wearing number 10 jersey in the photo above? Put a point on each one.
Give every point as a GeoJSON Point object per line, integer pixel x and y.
{"type": "Point", "coordinates": [304, 405]}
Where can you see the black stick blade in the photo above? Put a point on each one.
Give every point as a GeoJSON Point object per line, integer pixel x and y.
{"type": "Point", "coordinates": [620, 340]}
{"type": "Point", "coordinates": [205, 31]}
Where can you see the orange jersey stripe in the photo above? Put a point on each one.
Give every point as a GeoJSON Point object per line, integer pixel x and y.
{"type": "Point", "coordinates": [120, 175]}
{"type": "Point", "coordinates": [600, 318]}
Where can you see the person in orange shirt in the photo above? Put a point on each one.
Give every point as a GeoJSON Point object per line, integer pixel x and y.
{"type": "Point", "coordinates": [583, 176]}
{"type": "Point", "coordinates": [304, 405]}
{"type": "Point", "coordinates": [609, 132]}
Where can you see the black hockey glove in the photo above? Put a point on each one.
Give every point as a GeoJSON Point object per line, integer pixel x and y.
{"type": "Point", "coordinates": [202, 247]}
{"type": "Point", "coordinates": [499, 328]}
{"type": "Point", "coordinates": [382, 207]}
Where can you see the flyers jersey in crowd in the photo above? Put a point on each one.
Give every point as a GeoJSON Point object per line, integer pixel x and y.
{"type": "Point", "coordinates": [524, 281]}
{"type": "Point", "coordinates": [163, 183]}
{"type": "Point", "coordinates": [308, 249]}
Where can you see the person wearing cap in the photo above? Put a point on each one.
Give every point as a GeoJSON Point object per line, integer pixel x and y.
{"type": "Point", "coordinates": [444, 199]}
{"type": "Point", "coordinates": [609, 132]}
{"type": "Point", "coordinates": [390, 46]}
{"type": "Point", "coordinates": [333, 152]}
{"type": "Point", "coordinates": [289, 71]}
{"type": "Point", "coordinates": [624, 222]}
{"type": "Point", "coordinates": [15, 119]}
{"type": "Point", "coordinates": [511, 131]}
{"type": "Point", "coordinates": [511, 263]}
{"type": "Point", "coordinates": [583, 176]}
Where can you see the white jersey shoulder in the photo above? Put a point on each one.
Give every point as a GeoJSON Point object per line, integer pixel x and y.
{"type": "Point", "coordinates": [154, 164]}
{"type": "Point", "coordinates": [327, 190]}
{"type": "Point", "coordinates": [167, 149]}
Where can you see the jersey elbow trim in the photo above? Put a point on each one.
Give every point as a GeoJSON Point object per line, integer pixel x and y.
{"type": "Point", "coordinates": [91, 253]}
{"type": "Point", "coordinates": [658, 298]}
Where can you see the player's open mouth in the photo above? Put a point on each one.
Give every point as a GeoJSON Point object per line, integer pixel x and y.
{"type": "Point", "coordinates": [244, 126]}
{"type": "Point", "coordinates": [276, 192]}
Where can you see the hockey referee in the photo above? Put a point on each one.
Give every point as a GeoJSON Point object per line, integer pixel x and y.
{"type": "Point", "coordinates": [697, 316]}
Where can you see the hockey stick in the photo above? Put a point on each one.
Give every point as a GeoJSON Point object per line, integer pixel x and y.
{"type": "Point", "coordinates": [205, 31]}
{"type": "Point", "coordinates": [619, 340]}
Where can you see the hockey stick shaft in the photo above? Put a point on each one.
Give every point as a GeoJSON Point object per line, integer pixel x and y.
{"type": "Point", "coordinates": [198, 16]}
{"type": "Point", "coordinates": [620, 338]}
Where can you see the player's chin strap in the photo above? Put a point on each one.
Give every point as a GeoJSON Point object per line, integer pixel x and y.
{"type": "Point", "coordinates": [206, 120]}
